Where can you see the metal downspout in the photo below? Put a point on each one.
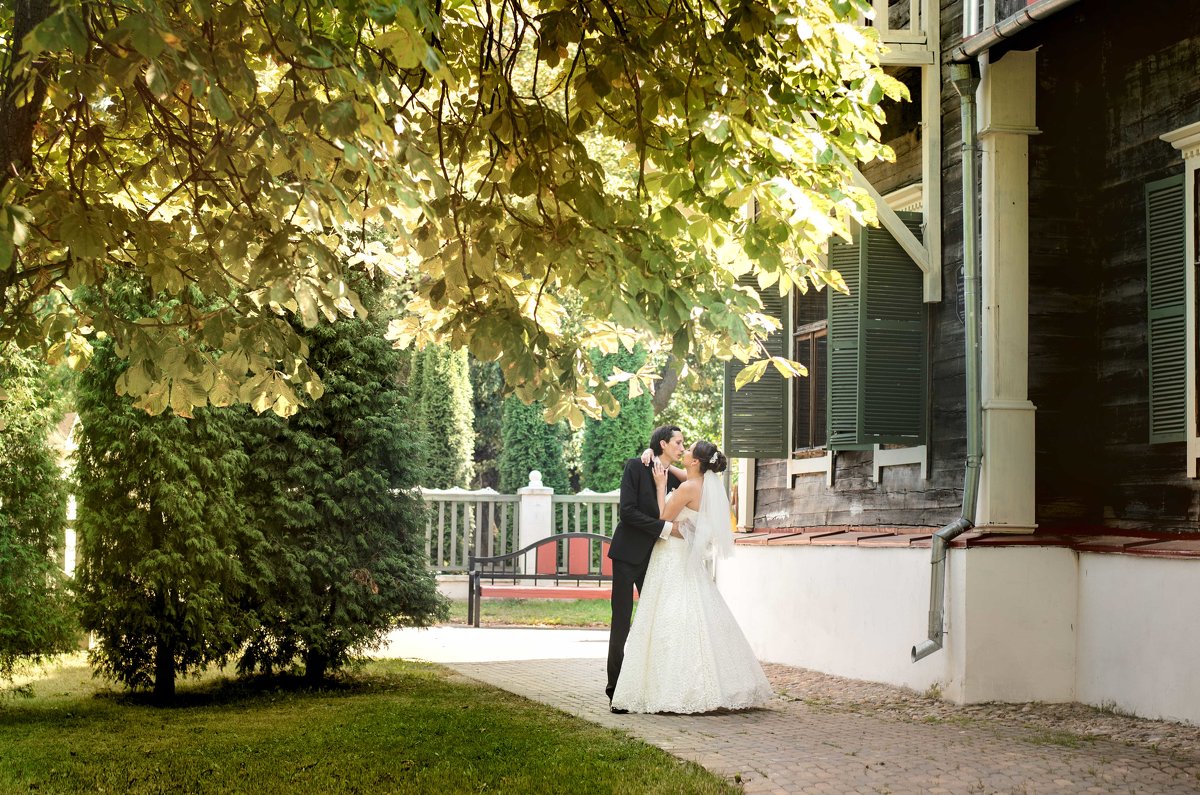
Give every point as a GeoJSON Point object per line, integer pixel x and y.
{"type": "Point", "coordinates": [1007, 27]}
{"type": "Point", "coordinates": [965, 78]}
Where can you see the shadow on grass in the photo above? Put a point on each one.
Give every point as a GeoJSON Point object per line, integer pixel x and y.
{"type": "Point", "coordinates": [394, 726]}
{"type": "Point", "coordinates": [225, 690]}
{"type": "Point", "coordinates": [73, 679]}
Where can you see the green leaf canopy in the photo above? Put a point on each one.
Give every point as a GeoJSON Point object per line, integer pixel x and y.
{"type": "Point", "coordinates": [241, 158]}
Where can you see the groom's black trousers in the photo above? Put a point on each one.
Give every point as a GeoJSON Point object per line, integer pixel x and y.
{"type": "Point", "coordinates": [626, 575]}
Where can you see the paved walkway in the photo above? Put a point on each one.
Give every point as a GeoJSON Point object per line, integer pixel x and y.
{"type": "Point", "coordinates": [825, 740]}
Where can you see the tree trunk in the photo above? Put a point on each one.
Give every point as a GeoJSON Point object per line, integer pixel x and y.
{"type": "Point", "coordinates": [16, 144]}
{"type": "Point", "coordinates": [668, 380]}
{"type": "Point", "coordinates": [17, 123]}
{"type": "Point", "coordinates": [316, 665]}
{"type": "Point", "coordinates": [164, 670]}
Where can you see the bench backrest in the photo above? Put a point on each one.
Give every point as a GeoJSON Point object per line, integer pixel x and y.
{"type": "Point", "coordinates": [560, 555]}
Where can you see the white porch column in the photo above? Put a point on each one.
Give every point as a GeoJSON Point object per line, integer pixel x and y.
{"type": "Point", "coordinates": [745, 493]}
{"type": "Point", "coordinates": [1007, 93]}
{"type": "Point", "coordinates": [535, 511]}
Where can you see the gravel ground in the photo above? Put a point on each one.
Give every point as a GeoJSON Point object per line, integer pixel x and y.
{"type": "Point", "coordinates": [835, 694]}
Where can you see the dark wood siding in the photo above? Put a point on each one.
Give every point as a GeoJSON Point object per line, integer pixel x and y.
{"type": "Point", "coordinates": [1112, 78]}
{"type": "Point", "coordinates": [900, 498]}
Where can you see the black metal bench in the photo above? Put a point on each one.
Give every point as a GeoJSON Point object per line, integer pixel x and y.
{"type": "Point", "coordinates": [566, 557]}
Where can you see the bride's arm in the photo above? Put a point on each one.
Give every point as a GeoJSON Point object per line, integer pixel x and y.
{"type": "Point", "coordinates": [680, 474]}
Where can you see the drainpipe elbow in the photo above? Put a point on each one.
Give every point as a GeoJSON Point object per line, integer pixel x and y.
{"type": "Point", "coordinates": [924, 649]}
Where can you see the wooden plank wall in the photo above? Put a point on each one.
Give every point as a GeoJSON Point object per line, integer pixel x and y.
{"type": "Point", "coordinates": [901, 498]}
{"type": "Point", "coordinates": [1064, 172]}
{"type": "Point", "coordinates": [1112, 78]}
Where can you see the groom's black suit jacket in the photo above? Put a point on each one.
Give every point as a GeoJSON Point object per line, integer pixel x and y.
{"type": "Point", "coordinates": [638, 526]}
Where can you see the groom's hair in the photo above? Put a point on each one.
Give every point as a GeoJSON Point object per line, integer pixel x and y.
{"type": "Point", "coordinates": [662, 433]}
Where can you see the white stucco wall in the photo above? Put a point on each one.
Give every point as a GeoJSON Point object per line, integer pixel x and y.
{"type": "Point", "coordinates": [1139, 639]}
{"type": "Point", "coordinates": [1022, 623]}
{"type": "Point", "coordinates": [1011, 627]}
{"type": "Point", "coordinates": [848, 611]}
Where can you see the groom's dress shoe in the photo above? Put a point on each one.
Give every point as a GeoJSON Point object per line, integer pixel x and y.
{"type": "Point", "coordinates": [618, 711]}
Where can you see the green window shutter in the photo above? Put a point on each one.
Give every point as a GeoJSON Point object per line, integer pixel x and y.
{"type": "Point", "coordinates": [877, 343]}
{"type": "Point", "coordinates": [756, 414]}
{"type": "Point", "coordinates": [844, 322]}
{"type": "Point", "coordinates": [893, 344]}
{"type": "Point", "coordinates": [1166, 308]}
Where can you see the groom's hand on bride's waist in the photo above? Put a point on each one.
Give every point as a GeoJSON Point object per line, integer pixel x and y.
{"type": "Point", "coordinates": [681, 528]}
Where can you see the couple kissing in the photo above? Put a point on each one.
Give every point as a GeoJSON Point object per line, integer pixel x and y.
{"type": "Point", "coordinates": [683, 652]}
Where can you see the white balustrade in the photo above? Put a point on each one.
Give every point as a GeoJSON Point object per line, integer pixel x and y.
{"type": "Point", "coordinates": [460, 523]}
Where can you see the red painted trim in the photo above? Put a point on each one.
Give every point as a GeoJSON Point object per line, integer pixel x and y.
{"type": "Point", "coordinates": [547, 559]}
{"type": "Point", "coordinates": [1093, 539]}
{"type": "Point", "coordinates": [579, 556]}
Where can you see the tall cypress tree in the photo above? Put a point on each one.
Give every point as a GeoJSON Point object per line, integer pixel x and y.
{"type": "Point", "coordinates": [162, 535]}
{"type": "Point", "coordinates": [36, 610]}
{"type": "Point", "coordinates": [488, 403]}
{"type": "Point", "coordinates": [333, 490]}
{"type": "Point", "coordinates": [441, 382]}
{"type": "Point", "coordinates": [608, 442]}
{"type": "Point", "coordinates": [530, 443]}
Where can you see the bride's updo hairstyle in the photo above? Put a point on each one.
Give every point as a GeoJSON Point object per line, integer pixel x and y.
{"type": "Point", "coordinates": [711, 459]}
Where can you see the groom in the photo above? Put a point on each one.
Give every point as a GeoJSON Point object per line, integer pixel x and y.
{"type": "Point", "coordinates": [633, 539]}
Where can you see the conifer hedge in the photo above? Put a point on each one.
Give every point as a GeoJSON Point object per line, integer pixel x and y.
{"type": "Point", "coordinates": [332, 490]}
{"type": "Point", "coordinates": [608, 442]}
{"type": "Point", "coordinates": [442, 416]}
{"type": "Point", "coordinates": [36, 610]}
{"type": "Point", "coordinates": [530, 443]}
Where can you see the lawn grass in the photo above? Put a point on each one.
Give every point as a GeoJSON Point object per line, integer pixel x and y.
{"type": "Point", "coordinates": [538, 612]}
{"type": "Point", "coordinates": [393, 726]}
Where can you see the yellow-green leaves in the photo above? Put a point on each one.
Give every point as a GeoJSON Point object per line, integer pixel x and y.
{"type": "Point", "coordinates": [755, 370]}
{"type": "Point", "coordinates": [62, 30]}
{"type": "Point", "coordinates": [550, 178]}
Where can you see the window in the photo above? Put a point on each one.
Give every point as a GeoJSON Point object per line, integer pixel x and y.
{"type": "Point", "coordinates": [865, 352]}
{"type": "Point", "coordinates": [877, 356]}
{"type": "Point", "coordinates": [756, 414]}
{"type": "Point", "coordinates": [1166, 299]}
{"type": "Point", "coordinates": [1187, 141]}
{"type": "Point", "coordinates": [810, 347]}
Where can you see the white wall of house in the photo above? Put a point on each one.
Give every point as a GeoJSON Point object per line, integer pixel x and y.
{"type": "Point", "coordinates": [847, 611]}
{"type": "Point", "coordinates": [1139, 648]}
{"type": "Point", "coordinates": [1023, 623]}
{"type": "Point", "coordinates": [1012, 613]}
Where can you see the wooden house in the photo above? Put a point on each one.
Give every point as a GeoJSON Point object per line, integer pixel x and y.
{"type": "Point", "coordinates": [1039, 240]}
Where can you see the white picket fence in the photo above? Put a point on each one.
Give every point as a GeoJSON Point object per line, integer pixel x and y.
{"type": "Point", "coordinates": [460, 523]}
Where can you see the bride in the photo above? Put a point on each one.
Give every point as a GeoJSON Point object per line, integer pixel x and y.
{"type": "Point", "coordinates": [685, 652]}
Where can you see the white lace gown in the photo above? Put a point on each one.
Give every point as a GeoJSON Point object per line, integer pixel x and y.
{"type": "Point", "coordinates": [685, 652]}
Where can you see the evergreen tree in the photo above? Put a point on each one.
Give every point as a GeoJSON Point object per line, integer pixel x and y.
{"type": "Point", "coordinates": [36, 611]}
{"type": "Point", "coordinates": [531, 443]}
{"type": "Point", "coordinates": [608, 442]}
{"type": "Point", "coordinates": [487, 396]}
{"type": "Point", "coordinates": [163, 538]}
{"type": "Point", "coordinates": [443, 414]}
{"type": "Point", "coordinates": [333, 489]}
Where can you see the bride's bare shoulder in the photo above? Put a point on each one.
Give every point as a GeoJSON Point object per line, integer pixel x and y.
{"type": "Point", "coordinates": [692, 489]}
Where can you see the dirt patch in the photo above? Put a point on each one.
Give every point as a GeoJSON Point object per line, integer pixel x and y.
{"type": "Point", "coordinates": [1061, 724]}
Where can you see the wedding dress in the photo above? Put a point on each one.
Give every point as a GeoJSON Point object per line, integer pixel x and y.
{"type": "Point", "coordinates": [685, 651]}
